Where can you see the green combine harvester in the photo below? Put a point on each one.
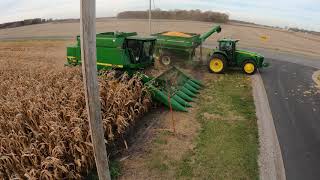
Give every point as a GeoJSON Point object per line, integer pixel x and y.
{"type": "Point", "coordinates": [131, 53]}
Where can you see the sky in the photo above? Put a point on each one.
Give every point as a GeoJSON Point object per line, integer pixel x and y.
{"type": "Point", "coordinates": [291, 13]}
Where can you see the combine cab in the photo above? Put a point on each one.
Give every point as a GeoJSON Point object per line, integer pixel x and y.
{"type": "Point", "coordinates": [129, 52]}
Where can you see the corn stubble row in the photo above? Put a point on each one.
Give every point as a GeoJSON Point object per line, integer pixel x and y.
{"type": "Point", "coordinates": [44, 131]}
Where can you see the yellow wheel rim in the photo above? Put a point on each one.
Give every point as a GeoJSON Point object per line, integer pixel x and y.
{"type": "Point", "coordinates": [216, 65]}
{"type": "Point", "coordinates": [249, 68]}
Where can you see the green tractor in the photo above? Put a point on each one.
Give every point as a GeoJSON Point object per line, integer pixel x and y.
{"type": "Point", "coordinates": [131, 53]}
{"type": "Point", "coordinates": [227, 55]}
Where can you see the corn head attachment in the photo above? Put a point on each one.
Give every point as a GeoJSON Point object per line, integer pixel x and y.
{"type": "Point", "coordinates": [174, 89]}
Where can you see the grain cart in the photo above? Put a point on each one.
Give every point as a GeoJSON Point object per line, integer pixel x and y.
{"type": "Point", "coordinates": [131, 53]}
{"type": "Point", "coordinates": [170, 43]}
{"type": "Point", "coordinates": [227, 55]}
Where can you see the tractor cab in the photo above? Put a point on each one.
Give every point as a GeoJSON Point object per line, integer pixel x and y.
{"type": "Point", "coordinates": [229, 47]}
{"type": "Point", "coordinates": [140, 49]}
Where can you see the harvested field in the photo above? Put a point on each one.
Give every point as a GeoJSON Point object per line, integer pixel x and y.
{"type": "Point", "coordinates": [44, 132]}
{"type": "Point", "coordinates": [251, 36]}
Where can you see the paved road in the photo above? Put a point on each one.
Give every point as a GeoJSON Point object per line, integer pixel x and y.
{"type": "Point", "coordinates": [295, 107]}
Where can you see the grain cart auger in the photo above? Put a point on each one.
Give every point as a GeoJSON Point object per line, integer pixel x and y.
{"type": "Point", "coordinates": [131, 53]}
{"type": "Point", "coordinates": [171, 43]}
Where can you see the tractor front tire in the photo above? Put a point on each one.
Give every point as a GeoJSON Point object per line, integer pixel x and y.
{"type": "Point", "coordinates": [217, 63]}
{"type": "Point", "coordinates": [249, 67]}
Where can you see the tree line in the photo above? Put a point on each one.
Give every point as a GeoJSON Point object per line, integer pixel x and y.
{"type": "Point", "coordinates": [194, 15]}
{"type": "Point", "coordinates": [304, 31]}
{"type": "Point", "coordinates": [25, 22]}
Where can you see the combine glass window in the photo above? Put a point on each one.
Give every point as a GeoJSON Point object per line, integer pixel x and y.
{"type": "Point", "coordinates": [134, 46]}
{"type": "Point", "coordinates": [140, 50]}
{"type": "Point", "coordinates": [147, 48]}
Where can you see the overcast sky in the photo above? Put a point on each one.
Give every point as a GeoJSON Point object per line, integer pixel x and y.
{"type": "Point", "coordinates": [293, 13]}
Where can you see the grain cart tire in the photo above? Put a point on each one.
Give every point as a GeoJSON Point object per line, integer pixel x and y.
{"type": "Point", "coordinates": [217, 63]}
{"type": "Point", "coordinates": [165, 60]}
{"type": "Point", "coordinates": [249, 67]}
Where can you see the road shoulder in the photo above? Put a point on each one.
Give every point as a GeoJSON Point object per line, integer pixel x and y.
{"type": "Point", "coordinates": [270, 157]}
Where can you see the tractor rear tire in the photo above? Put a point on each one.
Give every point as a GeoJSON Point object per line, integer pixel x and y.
{"type": "Point", "coordinates": [249, 67]}
{"type": "Point", "coordinates": [217, 64]}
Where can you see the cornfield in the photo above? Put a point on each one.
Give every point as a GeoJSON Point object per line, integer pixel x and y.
{"type": "Point", "coordinates": [44, 131]}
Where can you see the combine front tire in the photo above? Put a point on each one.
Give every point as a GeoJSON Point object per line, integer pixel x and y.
{"type": "Point", "coordinates": [165, 60]}
{"type": "Point", "coordinates": [217, 63]}
{"type": "Point", "coordinates": [249, 67]}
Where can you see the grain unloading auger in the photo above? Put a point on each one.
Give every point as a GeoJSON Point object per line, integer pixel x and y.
{"type": "Point", "coordinates": [131, 53]}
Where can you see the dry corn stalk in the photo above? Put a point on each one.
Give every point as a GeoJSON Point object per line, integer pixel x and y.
{"type": "Point", "coordinates": [44, 133]}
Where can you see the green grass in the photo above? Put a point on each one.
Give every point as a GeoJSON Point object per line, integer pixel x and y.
{"type": "Point", "coordinates": [114, 168]}
{"type": "Point", "coordinates": [158, 161]}
{"type": "Point", "coordinates": [162, 137]}
{"type": "Point", "coordinates": [227, 146]}
{"type": "Point", "coordinates": [185, 166]}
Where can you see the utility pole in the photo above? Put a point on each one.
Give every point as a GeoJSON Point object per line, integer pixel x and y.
{"type": "Point", "coordinates": [150, 16]}
{"type": "Point", "coordinates": [89, 72]}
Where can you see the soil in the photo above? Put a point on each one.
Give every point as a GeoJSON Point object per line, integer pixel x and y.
{"type": "Point", "coordinates": [177, 143]}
